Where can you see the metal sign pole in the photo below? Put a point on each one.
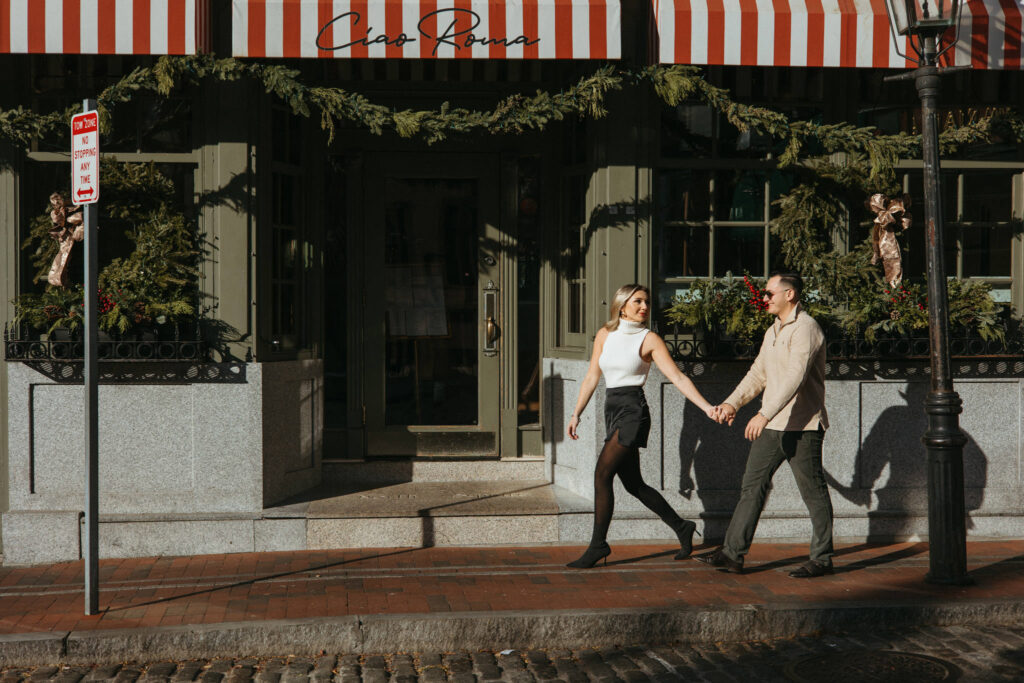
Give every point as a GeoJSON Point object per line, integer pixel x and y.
{"type": "Point", "coordinates": [90, 547]}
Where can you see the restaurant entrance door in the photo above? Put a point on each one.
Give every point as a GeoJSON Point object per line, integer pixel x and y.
{"type": "Point", "coordinates": [433, 328]}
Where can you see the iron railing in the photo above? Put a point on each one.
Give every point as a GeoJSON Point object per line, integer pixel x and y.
{"type": "Point", "coordinates": [706, 347]}
{"type": "Point", "coordinates": [20, 345]}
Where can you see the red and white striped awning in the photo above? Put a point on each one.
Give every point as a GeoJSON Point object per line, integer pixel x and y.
{"type": "Point", "coordinates": [106, 27]}
{"type": "Point", "coordinates": [824, 33]}
{"type": "Point", "coordinates": [427, 29]}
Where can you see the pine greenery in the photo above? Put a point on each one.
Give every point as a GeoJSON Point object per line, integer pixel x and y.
{"type": "Point", "coordinates": [155, 283]}
{"type": "Point", "coordinates": [848, 163]}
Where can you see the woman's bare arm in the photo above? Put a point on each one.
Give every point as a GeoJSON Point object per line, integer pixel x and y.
{"type": "Point", "coordinates": [589, 383]}
{"type": "Point", "coordinates": [654, 348]}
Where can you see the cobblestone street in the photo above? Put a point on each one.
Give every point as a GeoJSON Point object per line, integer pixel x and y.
{"type": "Point", "coordinates": [916, 655]}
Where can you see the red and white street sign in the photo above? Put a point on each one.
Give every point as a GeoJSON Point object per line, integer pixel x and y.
{"type": "Point", "coordinates": [85, 158]}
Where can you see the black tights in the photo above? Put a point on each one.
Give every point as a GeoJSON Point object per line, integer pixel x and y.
{"type": "Point", "coordinates": [625, 462]}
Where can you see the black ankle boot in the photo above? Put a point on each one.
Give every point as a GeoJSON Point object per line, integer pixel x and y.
{"type": "Point", "coordinates": [591, 556]}
{"type": "Point", "coordinates": [684, 529]}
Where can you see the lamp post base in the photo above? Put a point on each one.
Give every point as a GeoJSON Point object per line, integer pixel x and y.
{"type": "Point", "coordinates": [947, 525]}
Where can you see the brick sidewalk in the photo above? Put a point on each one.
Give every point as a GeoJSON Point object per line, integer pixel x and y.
{"type": "Point", "coordinates": [211, 589]}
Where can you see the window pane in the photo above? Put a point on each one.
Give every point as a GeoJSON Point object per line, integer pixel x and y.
{"type": "Point", "coordinates": [279, 131]}
{"type": "Point", "coordinates": [915, 258]}
{"type": "Point", "coordinates": [683, 195]}
{"type": "Point", "coordinates": [285, 252]}
{"type": "Point", "coordinates": [987, 196]}
{"type": "Point", "coordinates": [285, 187]}
{"type": "Point", "coordinates": [775, 260]}
{"type": "Point", "coordinates": [150, 124]}
{"type": "Point", "coordinates": [912, 248]}
{"type": "Point", "coordinates": [739, 250]}
{"type": "Point", "coordinates": [987, 251]}
{"type": "Point", "coordinates": [779, 183]}
{"type": "Point", "coordinates": [686, 131]}
{"type": "Point", "coordinates": [575, 308]}
{"type": "Point", "coordinates": [739, 196]}
{"type": "Point", "coordinates": [284, 315]}
{"type": "Point", "coordinates": [683, 251]}
{"type": "Point", "coordinates": [574, 148]}
{"type": "Point", "coordinates": [286, 129]}
{"type": "Point", "coordinates": [744, 144]}
{"type": "Point", "coordinates": [571, 255]}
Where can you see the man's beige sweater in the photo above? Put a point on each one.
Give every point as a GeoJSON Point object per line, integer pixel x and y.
{"type": "Point", "coordinates": [790, 370]}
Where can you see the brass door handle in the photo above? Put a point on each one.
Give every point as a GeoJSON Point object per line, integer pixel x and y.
{"type": "Point", "coordinates": [492, 329]}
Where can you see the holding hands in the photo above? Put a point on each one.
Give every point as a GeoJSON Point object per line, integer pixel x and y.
{"type": "Point", "coordinates": [722, 414]}
{"type": "Point", "coordinates": [725, 414]}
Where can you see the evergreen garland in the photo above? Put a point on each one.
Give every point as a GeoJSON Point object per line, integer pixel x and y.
{"type": "Point", "coordinates": [514, 114]}
{"type": "Point", "coordinates": [818, 204]}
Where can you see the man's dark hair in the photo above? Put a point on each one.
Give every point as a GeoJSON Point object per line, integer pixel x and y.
{"type": "Point", "coordinates": [791, 280]}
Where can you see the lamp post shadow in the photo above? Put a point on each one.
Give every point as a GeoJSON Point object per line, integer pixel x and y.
{"type": "Point", "coordinates": [891, 470]}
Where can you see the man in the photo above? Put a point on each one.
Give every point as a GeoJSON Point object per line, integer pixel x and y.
{"type": "Point", "coordinates": [790, 372]}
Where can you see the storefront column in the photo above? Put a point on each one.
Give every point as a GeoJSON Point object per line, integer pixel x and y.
{"type": "Point", "coordinates": [228, 224]}
{"type": "Point", "coordinates": [618, 202]}
{"type": "Point", "coordinates": [9, 243]}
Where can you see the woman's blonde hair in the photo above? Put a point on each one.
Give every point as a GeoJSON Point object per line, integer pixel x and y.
{"type": "Point", "coordinates": [622, 295]}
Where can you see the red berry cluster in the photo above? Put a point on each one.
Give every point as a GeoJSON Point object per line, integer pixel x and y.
{"type": "Point", "coordinates": [756, 295]}
{"type": "Point", "coordinates": [106, 303]}
{"type": "Point", "coordinates": [898, 296]}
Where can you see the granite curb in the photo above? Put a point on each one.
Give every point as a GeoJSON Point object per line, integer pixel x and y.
{"type": "Point", "coordinates": [469, 631]}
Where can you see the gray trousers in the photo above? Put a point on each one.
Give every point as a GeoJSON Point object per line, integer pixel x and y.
{"type": "Point", "coordinates": [767, 453]}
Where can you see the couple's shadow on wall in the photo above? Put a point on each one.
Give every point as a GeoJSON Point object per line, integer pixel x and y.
{"type": "Point", "coordinates": [890, 466]}
{"type": "Point", "coordinates": [712, 460]}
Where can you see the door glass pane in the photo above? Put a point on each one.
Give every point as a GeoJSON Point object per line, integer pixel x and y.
{"type": "Point", "coordinates": [528, 267]}
{"type": "Point", "coordinates": [430, 300]}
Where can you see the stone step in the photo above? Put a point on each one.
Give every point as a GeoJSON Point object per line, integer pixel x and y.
{"type": "Point", "coordinates": [426, 514]}
{"type": "Point", "coordinates": [382, 471]}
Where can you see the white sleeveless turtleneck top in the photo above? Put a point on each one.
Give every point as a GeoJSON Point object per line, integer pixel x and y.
{"type": "Point", "coordinates": [620, 359]}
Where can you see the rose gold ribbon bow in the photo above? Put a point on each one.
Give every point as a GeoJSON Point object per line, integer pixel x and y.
{"type": "Point", "coordinates": [891, 215]}
{"type": "Point", "coordinates": [67, 229]}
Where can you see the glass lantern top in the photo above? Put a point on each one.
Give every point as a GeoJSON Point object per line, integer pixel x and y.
{"type": "Point", "coordinates": [914, 16]}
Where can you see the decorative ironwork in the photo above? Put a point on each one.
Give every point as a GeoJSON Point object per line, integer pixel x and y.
{"type": "Point", "coordinates": [145, 372]}
{"type": "Point", "coordinates": [19, 346]}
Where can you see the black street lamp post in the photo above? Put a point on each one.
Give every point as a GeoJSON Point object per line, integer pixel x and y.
{"type": "Point", "coordinates": [925, 22]}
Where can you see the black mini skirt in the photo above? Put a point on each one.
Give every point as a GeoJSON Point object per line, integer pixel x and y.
{"type": "Point", "coordinates": [625, 410]}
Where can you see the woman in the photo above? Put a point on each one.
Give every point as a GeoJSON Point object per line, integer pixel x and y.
{"type": "Point", "coordinates": [623, 350]}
